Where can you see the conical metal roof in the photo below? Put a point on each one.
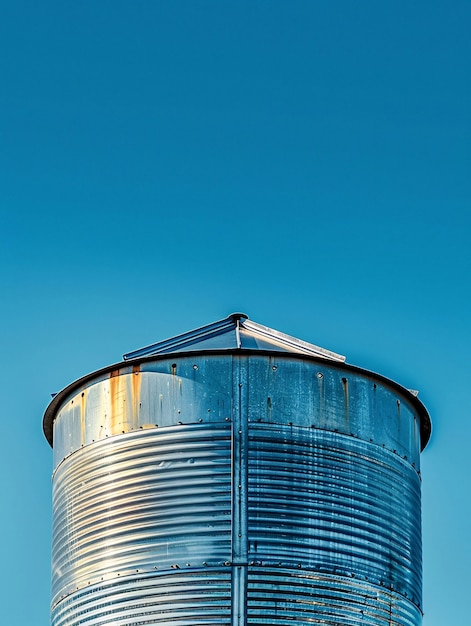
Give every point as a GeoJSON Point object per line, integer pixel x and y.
{"type": "Point", "coordinates": [232, 333]}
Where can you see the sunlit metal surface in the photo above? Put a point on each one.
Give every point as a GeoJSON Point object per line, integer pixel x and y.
{"type": "Point", "coordinates": [144, 502]}
{"type": "Point", "coordinates": [234, 332]}
{"type": "Point", "coordinates": [237, 488]}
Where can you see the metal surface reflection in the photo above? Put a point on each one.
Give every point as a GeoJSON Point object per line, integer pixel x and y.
{"type": "Point", "coordinates": [213, 483]}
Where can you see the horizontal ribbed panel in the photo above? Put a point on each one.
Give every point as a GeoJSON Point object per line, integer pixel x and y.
{"type": "Point", "coordinates": [284, 598]}
{"type": "Point", "coordinates": [144, 501]}
{"type": "Point", "coordinates": [190, 598]}
{"type": "Point", "coordinates": [325, 501]}
{"type": "Point", "coordinates": [302, 474]}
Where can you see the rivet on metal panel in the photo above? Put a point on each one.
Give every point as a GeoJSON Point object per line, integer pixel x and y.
{"type": "Point", "coordinates": [200, 419]}
{"type": "Point", "coordinates": [195, 367]}
{"type": "Point", "coordinates": [274, 368]}
{"type": "Point", "coordinates": [320, 375]}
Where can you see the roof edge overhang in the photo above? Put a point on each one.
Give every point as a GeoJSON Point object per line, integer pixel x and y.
{"type": "Point", "coordinates": [411, 395]}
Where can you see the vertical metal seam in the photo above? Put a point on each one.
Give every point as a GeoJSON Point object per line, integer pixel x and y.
{"type": "Point", "coordinates": [239, 494]}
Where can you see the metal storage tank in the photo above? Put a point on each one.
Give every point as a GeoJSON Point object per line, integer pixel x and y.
{"type": "Point", "coordinates": [235, 475]}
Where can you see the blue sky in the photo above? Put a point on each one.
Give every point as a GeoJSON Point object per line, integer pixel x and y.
{"type": "Point", "coordinates": [163, 164]}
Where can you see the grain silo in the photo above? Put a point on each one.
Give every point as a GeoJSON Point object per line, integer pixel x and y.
{"type": "Point", "coordinates": [235, 475]}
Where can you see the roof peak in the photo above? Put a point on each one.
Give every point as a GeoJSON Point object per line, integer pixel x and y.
{"type": "Point", "coordinates": [235, 332]}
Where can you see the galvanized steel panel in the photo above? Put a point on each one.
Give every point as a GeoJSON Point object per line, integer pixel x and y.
{"type": "Point", "coordinates": [188, 598]}
{"type": "Point", "coordinates": [283, 597]}
{"type": "Point", "coordinates": [236, 489]}
{"type": "Point", "coordinates": [142, 502]}
{"type": "Point", "coordinates": [326, 502]}
{"type": "Point", "coordinates": [314, 395]}
{"type": "Point", "coordinates": [199, 388]}
{"type": "Point", "coordinates": [156, 394]}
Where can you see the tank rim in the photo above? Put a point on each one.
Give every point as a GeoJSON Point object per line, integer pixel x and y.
{"type": "Point", "coordinates": [58, 399]}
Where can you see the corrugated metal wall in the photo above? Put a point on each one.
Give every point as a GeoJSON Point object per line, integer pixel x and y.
{"type": "Point", "coordinates": [236, 489]}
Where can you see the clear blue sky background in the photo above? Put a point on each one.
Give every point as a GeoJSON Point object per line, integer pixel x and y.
{"type": "Point", "coordinates": [163, 164]}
